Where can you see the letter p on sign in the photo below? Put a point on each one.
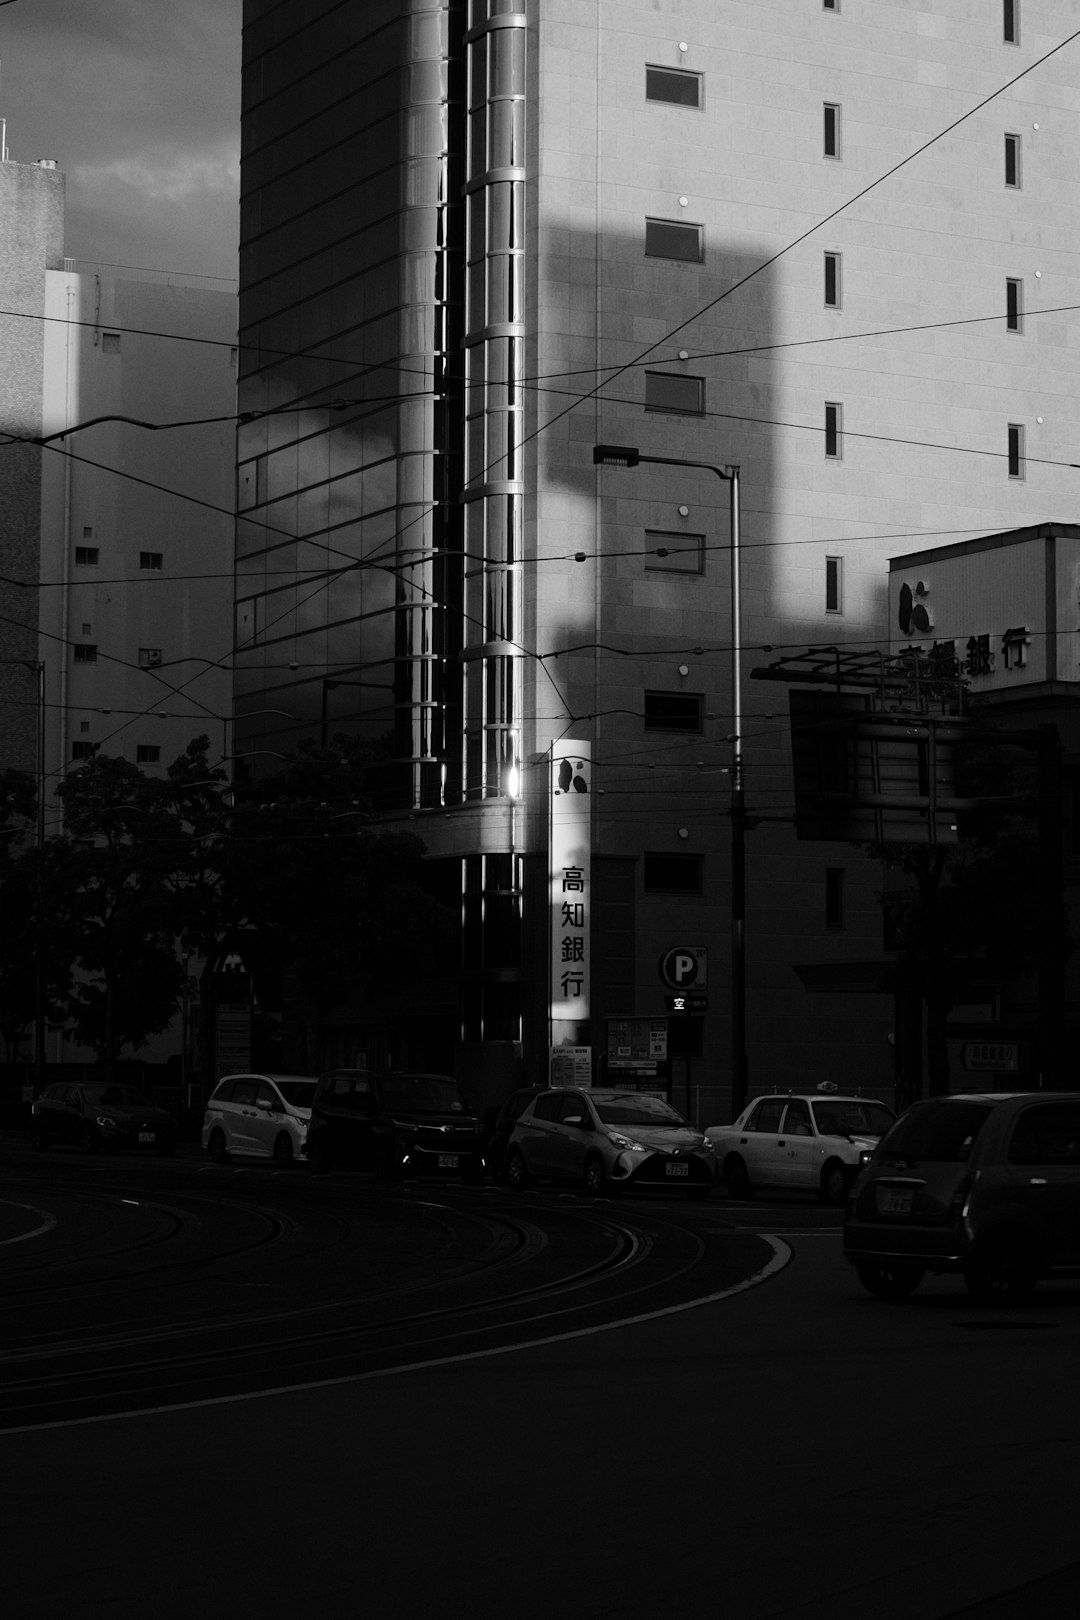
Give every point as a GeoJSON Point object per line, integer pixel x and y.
{"type": "Point", "coordinates": [685, 967]}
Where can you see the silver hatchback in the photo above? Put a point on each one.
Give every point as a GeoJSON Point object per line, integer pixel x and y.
{"type": "Point", "coordinates": [607, 1138]}
{"type": "Point", "coordinates": [261, 1116]}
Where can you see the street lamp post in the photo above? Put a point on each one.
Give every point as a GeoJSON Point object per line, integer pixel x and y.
{"type": "Point", "coordinates": [619, 455]}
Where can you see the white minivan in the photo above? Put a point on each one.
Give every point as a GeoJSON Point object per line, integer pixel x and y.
{"type": "Point", "coordinates": [263, 1116]}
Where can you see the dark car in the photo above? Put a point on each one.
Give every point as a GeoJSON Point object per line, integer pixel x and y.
{"type": "Point", "coordinates": [95, 1115]}
{"type": "Point", "coordinates": [986, 1185]}
{"type": "Point", "coordinates": [499, 1122]}
{"type": "Point", "coordinates": [393, 1125]}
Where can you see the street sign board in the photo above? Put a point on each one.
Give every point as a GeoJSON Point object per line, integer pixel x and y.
{"type": "Point", "coordinates": [685, 967]}
{"type": "Point", "coordinates": [687, 1005]}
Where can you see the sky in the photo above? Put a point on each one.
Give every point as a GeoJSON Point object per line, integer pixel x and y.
{"type": "Point", "coordinates": [139, 103]}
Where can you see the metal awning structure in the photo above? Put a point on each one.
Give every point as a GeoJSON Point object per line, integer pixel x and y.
{"type": "Point", "coordinates": [913, 678]}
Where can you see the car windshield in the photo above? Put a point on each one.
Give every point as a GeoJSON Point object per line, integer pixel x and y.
{"type": "Point", "coordinates": [297, 1093]}
{"type": "Point", "coordinates": [939, 1131]}
{"type": "Point", "coordinates": [422, 1095]}
{"type": "Point", "coordinates": [852, 1118]}
{"type": "Point", "coordinates": [632, 1110]}
{"type": "Point", "coordinates": [116, 1097]}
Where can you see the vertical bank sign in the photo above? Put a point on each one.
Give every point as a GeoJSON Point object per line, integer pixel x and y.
{"type": "Point", "coordinates": [570, 888]}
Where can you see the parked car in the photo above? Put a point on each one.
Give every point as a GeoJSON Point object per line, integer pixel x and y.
{"type": "Point", "coordinates": [605, 1137]}
{"type": "Point", "coordinates": [393, 1124]}
{"type": "Point", "coordinates": [499, 1123]}
{"type": "Point", "coordinates": [260, 1116]}
{"type": "Point", "coordinates": [808, 1141]}
{"type": "Point", "coordinates": [985, 1185]}
{"type": "Point", "coordinates": [95, 1114]}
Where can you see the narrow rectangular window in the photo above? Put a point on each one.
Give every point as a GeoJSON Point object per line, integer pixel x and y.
{"type": "Point", "coordinates": [1016, 450]}
{"type": "Point", "coordinates": [834, 432]}
{"type": "Point", "coordinates": [84, 653]}
{"type": "Point", "coordinates": [671, 239]}
{"type": "Point", "coordinates": [151, 559]}
{"type": "Point", "coordinates": [1014, 305]}
{"type": "Point", "coordinates": [87, 556]}
{"type": "Point", "coordinates": [674, 553]}
{"type": "Point", "coordinates": [110, 343]}
{"type": "Point", "coordinates": [147, 753]}
{"type": "Point", "coordinates": [673, 85]}
{"type": "Point", "coordinates": [1011, 21]}
{"type": "Point", "coordinates": [149, 657]}
{"type": "Point", "coordinates": [675, 393]}
{"type": "Point", "coordinates": [830, 5]}
{"type": "Point", "coordinates": [1012, 161]}
{"type": "Point", "coordinates": [834, 584]}
{"type": "Point", "coordinates": [834, 897]}
{"type": "Point", "coordinates": [672, 874]}
{"type": "Point", "coordinates": [832, 281]}
{"type": "Point", "coordinates": [832, 129]}
{"type": "Point", "coordinates": [674, 711]}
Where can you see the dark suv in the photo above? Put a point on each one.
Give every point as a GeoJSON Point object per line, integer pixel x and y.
{"type": "Point", "coordinates": [394, 1125]}
{"type": "Point", "coordinates": [987, 1185]}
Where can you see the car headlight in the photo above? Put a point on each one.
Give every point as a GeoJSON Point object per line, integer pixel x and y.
{"type": "Point", "coordinates": [707, 1146]}
{"type": "Point", "coordinates": [865, 1155]}
{"type": "Point", "coordinates": [626, 1143]}
{"type": "Point", "coordinates": [105, 1123]}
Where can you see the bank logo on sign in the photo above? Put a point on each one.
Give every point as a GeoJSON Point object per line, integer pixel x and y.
{"type": "Point", "coordinates": [685, 967]}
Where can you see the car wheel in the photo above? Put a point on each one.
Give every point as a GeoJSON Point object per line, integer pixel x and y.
{"type": "Point", "coordinates": [737, 1179]}
{"type": "Point", "coordinates": [834, 1183]}
{"type": "Point", "coordinates": [216, 1147]}
{"type": "Point", "coordinates": [38, 1139]}
{"type": "Point", "coordinates": [1003, 1268]}
{"type": "Point", "coordinates": [887, 1280]}
{"type": "Point", "coordinates": [697, 1194]}
{"type": "Point", "coordinates": [283, 1151]}
{"type": "Point", "coordinates": [87, 1140]}
{"type": "Point", "coordinates": [517, 1176]}
{"type": "Point", "coordinates": [595, 1177]}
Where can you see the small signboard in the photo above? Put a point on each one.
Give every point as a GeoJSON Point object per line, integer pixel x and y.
{"type": "Point", "coordinates": [570, 1066]}
{"type": "Point", "coordinates": [991, 1057]}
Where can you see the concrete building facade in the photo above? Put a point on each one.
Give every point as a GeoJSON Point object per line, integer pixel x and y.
{"type": "Point", "coordinates": [830, 245]}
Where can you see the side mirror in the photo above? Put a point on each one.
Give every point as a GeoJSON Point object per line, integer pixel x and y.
{"type": "Point", "coordinates": [573, 1119]}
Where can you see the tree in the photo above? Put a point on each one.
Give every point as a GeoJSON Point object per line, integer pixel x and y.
{"type": "Point", "coordinates": [970, 910]}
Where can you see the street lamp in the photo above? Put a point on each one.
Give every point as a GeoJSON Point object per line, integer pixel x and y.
{"type": "Point", "coordinates": [621, 455]}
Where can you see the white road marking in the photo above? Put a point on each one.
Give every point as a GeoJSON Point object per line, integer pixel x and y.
{"type": "Point", "coordinates": [781, 1256]}
{"type": "Point", "coordinates": [47, 1222]}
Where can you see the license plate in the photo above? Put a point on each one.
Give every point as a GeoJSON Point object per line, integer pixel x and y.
{"type": "Point", "coordinates": [894, 1200]}
{"type": "Point", "coordinates": [678, 1169]}
{"type": "Point", "coordinates": [448, 1161]}
{"type": "Point", "coordinates": [147, 1136]}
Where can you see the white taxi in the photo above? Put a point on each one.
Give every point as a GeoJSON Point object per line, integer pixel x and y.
{"type": "Point", "coordinates": [809, 1141]}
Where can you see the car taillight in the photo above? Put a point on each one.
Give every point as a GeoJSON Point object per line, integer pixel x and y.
{"type": "Point", "coordinates": [958, 1202]}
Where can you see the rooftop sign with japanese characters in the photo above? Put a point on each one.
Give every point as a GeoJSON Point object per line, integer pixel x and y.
{"type": "Point", "coordinates": [1001, 610]}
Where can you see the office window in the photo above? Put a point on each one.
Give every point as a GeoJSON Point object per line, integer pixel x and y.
{"type": "Point", "coordinates": [87, 556]}
{"type": "Point", "coordinates": [673, 711]}
{"type": "Point", "coordinates": [675, 393]}
{"type": "Point", "coordinates": [672, 874]}
{"type": "Point", "coordinates": [82, 750]}
{"type": "Point", "coordinates": [1016, 450]}
{"type": "Point", "coordinates": [110, 343]}
{"type": "Point", "coordinates": [1014, 305]}
{"type": "Point", "coordinates": [834, 584]}
{"type": "Point", "coordinates": [673, 85]}
{"type": "Point", "coordinates": [1012, 160]}
{"type": "Point", "coordinates": [86, 630]}
{"type": "Point", "coordinates": [830, 5]}
{"type": "Point", "coordinates": [84, 653]}
{"type": "Point", "coordinates": [84, 725]}
{"type": "Point", "coordinates": [149, 657]}
{"type": "Point", "coordinates": [151, 559]}
{"type": "Point", "coordinates": [834, 897]}
{"type": "Point", "coordinates": [147, 753]}
{"type": "Point", "coordinates": [671, 239]}
{"type": "Point", "coordinates": [832, 281]}
{"type": "Point", "coordinates": [832, 129]}
{"type": "Point", "coordinates": [834, 430]}
{"type": "Point", "coordinates": [674, 553]}
{"type": "Point", "coordinates": [1011, 21]}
